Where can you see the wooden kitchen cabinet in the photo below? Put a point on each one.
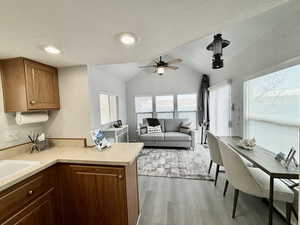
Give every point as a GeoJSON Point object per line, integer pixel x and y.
{"type": "Point", "coordinates": [74, 194]}
{"type": "Point", "coordinates": [29, 85]}
{"type": "Point", "coordinates": [34, 201]}
{"type": "Point", "coordinates": [99, 195]}
{"type": "Point", "coordinates": [39, 212]}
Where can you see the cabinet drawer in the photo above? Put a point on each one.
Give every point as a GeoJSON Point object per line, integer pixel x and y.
{"type": "Point", "coordinates": [101, 170]}
{"type": "Point", "coordinates": [15, 199]}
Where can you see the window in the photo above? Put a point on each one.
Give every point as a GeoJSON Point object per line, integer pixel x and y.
{"type": "Point", "coordinates": [141, 116]}
{"type": "Point", "coordinates": [113, 108]}
{"type": "Point", "coordinates": [143, 104]}
{"type": "Point", "coordinates": [182, 106]}
{"type": "Point", "coordinates": [272, 110]}
{"type": "Point", "coordinates": [220, 109]}
{"type": "Point", "coordinates": [164, 103]}
{"type": "Point", "coordinates": [108, 108]}
{"type": "Point", "coordinates": [187, 102]}
{"type": "Point", "coordinates": [143, 108]}
{"type": "Point", "coordinates": [187, 108]}
{"type": "Point", "coordinates": [165, 115]}
{"type": "Point", "coordinates": [164, 106]}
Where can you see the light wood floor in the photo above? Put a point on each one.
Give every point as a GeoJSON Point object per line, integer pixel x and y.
{"type": "Point", "coordinates": [169, 201]}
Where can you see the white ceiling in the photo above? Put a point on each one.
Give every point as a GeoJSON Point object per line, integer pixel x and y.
{"type": "Point", "coordinates": [243, 36]}
{"type": "Point", "coordinates": [85, 30]}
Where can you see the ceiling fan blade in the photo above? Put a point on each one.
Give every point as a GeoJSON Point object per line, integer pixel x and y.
{"type": "Point", "coordinates": [171, 67]}
{"type": "Point", "coordinates": [146, 66]}
{"type": "Point", "coordinates": [174, 61]}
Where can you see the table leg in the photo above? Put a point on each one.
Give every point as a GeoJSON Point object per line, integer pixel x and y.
{"type": "Point", "coordinates": [271, 200]}
{"type": "Point", "coordinates": [201, 135]}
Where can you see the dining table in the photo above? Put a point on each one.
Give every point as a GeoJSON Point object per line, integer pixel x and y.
{"type": "Point", "coordinates": [264, 159]}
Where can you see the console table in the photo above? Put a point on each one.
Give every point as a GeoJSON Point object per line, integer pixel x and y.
{"type": "Point", "coordinates": [113, 134]}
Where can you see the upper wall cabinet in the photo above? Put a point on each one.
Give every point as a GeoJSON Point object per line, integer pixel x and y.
{"type": "Point", "coordinates": [29, 85]}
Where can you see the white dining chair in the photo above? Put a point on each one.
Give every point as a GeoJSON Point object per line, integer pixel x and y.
{"type": "Point", "coordinates": [215, 157]}
{"type": "Point", "coordinates": [215, 154]}
{"type": "Point", "coordinates": [252, 181]}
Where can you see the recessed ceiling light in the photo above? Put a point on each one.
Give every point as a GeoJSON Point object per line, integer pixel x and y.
{"type": "Point", "coordinates": [127, 38]}
{"type": "Point", "coordinates": [52, 50]}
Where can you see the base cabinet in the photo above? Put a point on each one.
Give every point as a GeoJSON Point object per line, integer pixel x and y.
{"type": "Point", "coordinates": [39, 212]}
{"type": "Point", "coordinates": [33, 201]}
{"type": "Point", "coordinates": [67, 194]}
{"type": "Point", "coordinates": [96, 195]}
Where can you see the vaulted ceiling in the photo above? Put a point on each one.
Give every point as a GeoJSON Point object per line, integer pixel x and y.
{"type": "Point", "coordinates": [272, 34]}
{"type": "Point", "coordinates": [256, 44]}
{"type": "Point", "coordinates": [86, 31]}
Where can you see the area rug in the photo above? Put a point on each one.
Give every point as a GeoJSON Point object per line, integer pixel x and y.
{"type": "Point", "coordinates": [174, 163]}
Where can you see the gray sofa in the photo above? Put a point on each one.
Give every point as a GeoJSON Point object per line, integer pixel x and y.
{"type": "Point", "coordinates": [170, 136]}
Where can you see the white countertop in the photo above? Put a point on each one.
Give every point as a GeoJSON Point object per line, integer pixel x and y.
{"type": "Point", "coordinates": [122, 154]}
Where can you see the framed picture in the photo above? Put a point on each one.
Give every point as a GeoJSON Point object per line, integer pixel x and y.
{"type": "Point", "coordinates": [117, 124]}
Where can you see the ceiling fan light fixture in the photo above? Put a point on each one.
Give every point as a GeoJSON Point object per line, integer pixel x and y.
{"type": "Point", "coordinates": [160, 70]}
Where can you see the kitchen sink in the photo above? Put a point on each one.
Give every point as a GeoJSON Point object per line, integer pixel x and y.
{"type": "Point", "coordinates": [11, 167]}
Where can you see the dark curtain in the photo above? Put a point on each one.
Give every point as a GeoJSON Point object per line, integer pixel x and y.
{"type": "Point", "coordinates": [203, 98]}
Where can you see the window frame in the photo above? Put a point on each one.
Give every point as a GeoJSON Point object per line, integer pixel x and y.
{"type": "Point", "coordinates": [109, 107]}
{"type": "Point", "coordinates": [155, 106]}
{"type": "Point", "coordinates": [189, 111]}
{"type": "Point", "coordinates": [246, 104]}
{"type": "Point", "coordinates": [175, 107]}
{"type": "Point", "coordinates": [139, 113]}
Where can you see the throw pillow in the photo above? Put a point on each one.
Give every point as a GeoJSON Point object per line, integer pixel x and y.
{"type": "Point", "coordinates": [143, 129]}
{"type": "Point", "coordinates": [156, 129]}
{"type": "Point", "coordinates": [186, 128]}
{"type": "Point", "coordinates": [153, 122]}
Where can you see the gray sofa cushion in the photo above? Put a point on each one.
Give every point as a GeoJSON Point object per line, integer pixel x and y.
{"type": "Point", "coordinates": [177, 136]}
{"type": "Point", "coordinates": [173, 125]}
{"type": "Point", "coordinates": [152, 137]}
{"type": "Point", "coordinates": [162, 123]}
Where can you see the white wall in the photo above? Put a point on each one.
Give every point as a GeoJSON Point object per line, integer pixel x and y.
{"type": "Point", "coordinates": [183, 80]}
{"type": "Point", "coordinates": [277, 49]}
{"type": "Point", "coordinates": [101, 80]}
{"type": "Point", "coordinates": [73, 120]}
{"type": "Point", "coordinates": [12, 134]}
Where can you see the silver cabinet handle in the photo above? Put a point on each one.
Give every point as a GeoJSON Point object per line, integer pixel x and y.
{"type": "Point", "coordinates": [30, 192]}
{"type": "Point", "coordinates": [32, 102]}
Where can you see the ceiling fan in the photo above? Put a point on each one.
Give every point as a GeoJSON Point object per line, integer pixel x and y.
{"type": "Point", "coordinates": [160, 66]}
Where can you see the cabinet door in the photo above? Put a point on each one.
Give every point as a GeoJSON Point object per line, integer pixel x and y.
{"type": "Point", "coordinates": [93, 195]}
{"type": "Point", "coordinates": [41, 86]}
{"type": "Point", "coordinates": [39, 212]}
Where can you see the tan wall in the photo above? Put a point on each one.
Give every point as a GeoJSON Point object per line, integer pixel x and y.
{"type": "Point", "coordinates": [73, 119]}
{"type": "Point", "coordinates": [10, 133]}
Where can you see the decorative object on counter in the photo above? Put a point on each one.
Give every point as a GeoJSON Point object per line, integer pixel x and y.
{"type": "Point", "coordinates": [117, 124]}
{"type": "Point", "coordinates": [99, 139]}
{"type": "Point", "coordinates": [38, 141]}
{"type": "Point", "coordinates": [247, 144]}
{"type": "Point", "coordinates": [280, 156]}
{"type": "Point", "coordinates": [35, 117]}
{"type": "Point", "coordinates": [290, 158]}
